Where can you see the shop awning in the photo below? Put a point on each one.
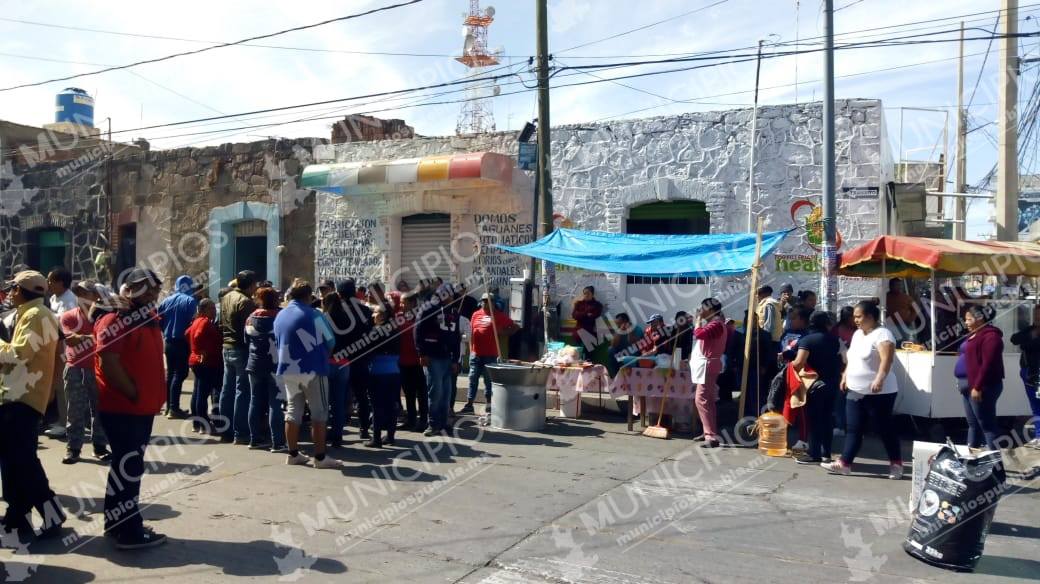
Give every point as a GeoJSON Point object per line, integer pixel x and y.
{"type": "Point", "coordinates": [373, 176]}
{"type": "Point", "coordinates": [916, 257]}
{"type": "Point", "coordinates": [691, 256]}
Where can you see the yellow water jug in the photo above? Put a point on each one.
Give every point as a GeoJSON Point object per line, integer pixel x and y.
{"type": "Point", "coordinates": [772, 434]}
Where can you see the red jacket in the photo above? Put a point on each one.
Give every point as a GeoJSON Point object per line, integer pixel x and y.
{"type": "Point", "coordinates": [408, 355]}
{"type": "Point", "coordinates": [203, 337]}
{"type": "Point", "coordinates": [984, 358]}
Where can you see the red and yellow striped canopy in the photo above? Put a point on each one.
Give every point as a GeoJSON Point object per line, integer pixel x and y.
{"type": "Point", "coordinates": [916, 257]}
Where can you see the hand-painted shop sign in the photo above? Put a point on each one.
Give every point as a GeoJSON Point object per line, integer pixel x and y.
{"type": "Point", "coordinates": [860, 192]}
{"type": "Point", "coordinates": [810, 216]}
{"type": "Point", "coordinates": [527, 157]}
{"type": "Point", "coordinates": [796, 263]}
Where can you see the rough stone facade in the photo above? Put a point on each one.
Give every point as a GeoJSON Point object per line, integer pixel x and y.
{"type": "Point", "coordinates": [603, 170]}
{"type": "Point", "coordinates": [170, 196]}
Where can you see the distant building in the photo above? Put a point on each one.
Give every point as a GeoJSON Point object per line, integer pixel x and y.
{"type": "Point", "coordinates": [358, 128]}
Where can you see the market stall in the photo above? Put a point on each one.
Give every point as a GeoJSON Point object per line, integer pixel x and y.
{"type": "Point", "coordinates": [661, 256]}
{"type": "Point", "coordinates": [927, 387]}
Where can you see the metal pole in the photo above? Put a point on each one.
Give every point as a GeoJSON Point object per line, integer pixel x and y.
{"type": "Point", "coordinates": [544, 162]}
{"type": "Point", "coordinates": [1007, 150]}
{"type": "Point", "coordinates": [829, 283]}
{"type": "Point", "coordinates": [754, 134]}
{"type": "Point", "coordinates": [960, 151]}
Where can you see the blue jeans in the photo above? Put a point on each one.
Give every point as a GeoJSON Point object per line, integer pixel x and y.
{"type": "Point", "coordinates": [176, 351]}
{"type": "Point", "coordinates": [234, 396]}
{"type": "Point", "coordinates": [440, 381]}
{"type": "Point", "coordinates": [478, 369]}
{"type": "Point", "coordinates": [858, 413]}
{"type": "Point", "coordinates": [264, 400]}
{"type": "Point", "coordinates": [982, 417]}
{"type": "Point", "coordinates": [1034, 403]}
{"type": "Point", "coordinates": [207, 382]}
{"type": "Point", "coordinates": [839, 410]}
{"type": "Point", "coordinates": [340, 398]}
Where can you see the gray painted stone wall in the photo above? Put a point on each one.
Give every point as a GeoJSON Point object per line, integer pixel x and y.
{"type": "Point", "coordinates": [602, 170]}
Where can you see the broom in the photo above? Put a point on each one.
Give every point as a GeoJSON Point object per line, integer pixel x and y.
{"type": "Point", "coordinates": [657, 430]}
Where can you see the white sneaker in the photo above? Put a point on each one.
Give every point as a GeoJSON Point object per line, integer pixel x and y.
{"type": "Point", "coordinates": [1034, 443]}
{"type": "Point", "coordinates": [800, 445]}
{"type": "Point", "coordinates": [895, 472]}
{"type": "Point", "coordinates": [55, 431]}
{"type": "Point", "coordinates": [837, 467]}
{"type": "Point", "coordinates": [327, 462]}
{"type": "Point", "coordinates": [298, 459]}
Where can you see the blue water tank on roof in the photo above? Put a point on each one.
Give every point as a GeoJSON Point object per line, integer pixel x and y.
{"type": "Point", "coordinates": [76, 106]}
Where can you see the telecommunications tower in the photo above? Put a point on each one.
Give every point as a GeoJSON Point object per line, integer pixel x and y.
{"type": "Point", "coordinates": [477, 115]}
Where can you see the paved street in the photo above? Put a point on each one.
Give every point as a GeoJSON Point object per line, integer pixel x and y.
{"type": "Point", "coordinates": [583, 501]}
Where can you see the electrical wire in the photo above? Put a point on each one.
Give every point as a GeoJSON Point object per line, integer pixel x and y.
{"type": "Point", "coordinates": [644, 27]}
{"type": "Point", "coordinates": [231, 44]}
{"type": "Point", "coordinates": [211, 42]}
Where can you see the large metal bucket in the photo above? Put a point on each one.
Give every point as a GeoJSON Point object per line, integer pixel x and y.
{"type": "Point", "coordinates": [518, 396]}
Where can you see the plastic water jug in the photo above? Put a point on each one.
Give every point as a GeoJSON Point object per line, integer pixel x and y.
{"type": "Point", "coordinates": [772, 434]}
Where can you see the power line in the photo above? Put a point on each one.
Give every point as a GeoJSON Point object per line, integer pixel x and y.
{"type": "Point", "coordinates": [645, 26]}
{"type": "Point", "coordinates": [211, 42]}
{"type": "Point", "coordinates": [984, 61]}
{"type": "Point", "coordinates": [853, 3]}
{"type": "Point", "coordinates": [204, 49]}
{"type": "Point", "coordinates": [734, 59]}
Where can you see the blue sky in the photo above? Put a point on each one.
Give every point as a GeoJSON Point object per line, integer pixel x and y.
{"type": "Point", "coordinates": [238, 79]}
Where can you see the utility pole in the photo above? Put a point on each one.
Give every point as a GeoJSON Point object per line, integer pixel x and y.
{"type": "Point", "coordinates": [754, 135]}
{"type": "Point", "coordinates": [829, 280]}
{"type": "Point", "coordinates": [544, 162]}
{"type": "Point", "coordinates": [1007, 147]}
{"type": "Point", "coordinates": [960, 153]}
{"type": "Point", "coordinates": [544, 165]}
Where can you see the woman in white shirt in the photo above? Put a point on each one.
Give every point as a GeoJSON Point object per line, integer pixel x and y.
{"type": "Point", "coordinates": [871, 390]}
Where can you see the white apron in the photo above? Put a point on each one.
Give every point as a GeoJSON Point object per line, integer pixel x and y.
{"type": "Point", "coordinates": [698, 364]}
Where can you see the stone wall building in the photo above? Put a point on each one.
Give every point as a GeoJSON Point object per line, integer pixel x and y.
{"type": "Point", "coordinates": [210, 211]}
{"type": "Point", "coordinates": [680, 174]}
{"type": "Point", "coordinates": [206, 212]}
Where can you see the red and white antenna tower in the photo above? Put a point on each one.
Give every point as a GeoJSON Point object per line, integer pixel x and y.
{"type": "Point", "coordinates": [477, 115]}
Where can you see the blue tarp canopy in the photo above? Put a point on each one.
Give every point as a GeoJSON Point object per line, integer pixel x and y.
{"type": "Point", "coordinates": [692, 256]}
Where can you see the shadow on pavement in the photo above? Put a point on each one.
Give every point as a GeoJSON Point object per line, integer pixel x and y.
{"type": "Point", "coordinates": [14, 571]}
{"type": "Point", "coordinates": [1008, 567]}
{"type": "Point", "coordinates": [78, 506]}
{"type": "Point", "coordinates": [249, 559]}
{"type": "Point", "coordinates": [1013, 530]}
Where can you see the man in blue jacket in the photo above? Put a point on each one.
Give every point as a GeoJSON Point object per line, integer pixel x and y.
{"type": "Point", "coordinates": [437, 340]}
{"type": "Point", "coordinates": [303, 340]}
{"type": "Point", "coordinates": [176, 313]}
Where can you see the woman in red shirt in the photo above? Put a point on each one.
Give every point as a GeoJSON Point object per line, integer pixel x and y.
{"type": "Point", "coordinates": [205, 360]}
{"type": "Point", "coordinates": [706, 365]}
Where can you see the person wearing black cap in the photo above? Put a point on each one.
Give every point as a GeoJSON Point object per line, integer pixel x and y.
{"type": "Point", "coordinates": [131, 383]}
{"type": "Point", "coordinates": [325, 287]}
{"type": "Point", "coordinates": [438, 342]}
{"type": "Point", "coordinates": [25, 388]}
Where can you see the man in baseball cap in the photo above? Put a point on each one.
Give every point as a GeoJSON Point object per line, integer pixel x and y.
{"type": "Point", "coordinates": [25, 386]}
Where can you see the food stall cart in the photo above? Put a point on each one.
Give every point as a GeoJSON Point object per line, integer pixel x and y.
{"type": "Point", "coordinates": [927, 387]}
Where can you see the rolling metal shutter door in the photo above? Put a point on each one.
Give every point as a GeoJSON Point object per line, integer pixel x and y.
{"type": "Point", "coordinates": [421, 234]}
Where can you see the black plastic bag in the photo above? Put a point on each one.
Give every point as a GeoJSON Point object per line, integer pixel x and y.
{"type": "Point", "coordinates": [955, 509]}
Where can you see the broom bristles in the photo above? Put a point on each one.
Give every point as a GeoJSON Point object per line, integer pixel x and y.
{"type": "Point", "coordinates": [656, 432]}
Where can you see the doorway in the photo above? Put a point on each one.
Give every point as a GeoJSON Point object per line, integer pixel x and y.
{"type": "Point", "coordinates": [126, 256]}
{"type": "Point", "coordinates": [46, 249]}
{"type": "Point", "coordinates": [251, 247]}
{"type": "Point", "coordinates": [420, 235]}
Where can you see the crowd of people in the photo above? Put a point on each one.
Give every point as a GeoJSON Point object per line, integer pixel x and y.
{"type": "Point", "coordinates": [830, 375]}
{"type": "Point", "coordinates": [83, 362]}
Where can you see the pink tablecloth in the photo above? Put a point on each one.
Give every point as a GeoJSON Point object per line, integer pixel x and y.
{"type": "Point", "coordinates": [573, 381]}
{"type": "Point", "coordinates": [650, 383]}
